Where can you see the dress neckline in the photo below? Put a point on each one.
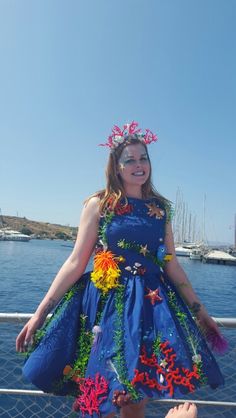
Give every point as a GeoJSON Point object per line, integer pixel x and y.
{"type": "Point", "coordinates": [138, 199]}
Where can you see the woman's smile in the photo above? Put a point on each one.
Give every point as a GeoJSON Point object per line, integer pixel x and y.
{"type": "Point", "coordinates": [134, 165]}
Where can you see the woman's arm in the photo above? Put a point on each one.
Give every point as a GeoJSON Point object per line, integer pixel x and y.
{"type": "Point", "coordinates": [70, 272]}
{"type": "Point", "coordinates": [177, 275]}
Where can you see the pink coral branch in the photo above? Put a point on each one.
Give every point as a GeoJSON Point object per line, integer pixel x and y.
{"type": "Point", "coordinates": [119, 135]}
{"type": "Point", "coordinates": [90, 391]}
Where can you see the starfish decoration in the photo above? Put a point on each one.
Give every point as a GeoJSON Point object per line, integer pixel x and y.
{"type": "Point", "coordinates": [143, 249]}
{"type": "Point", "coordinates": [155, 211]}
{"type": "Point", "coordinates": [153, 296]}
{"type": "Point", "coordinates": [163, 363]}
{"type": "Point", "coordinates": [122, 166]}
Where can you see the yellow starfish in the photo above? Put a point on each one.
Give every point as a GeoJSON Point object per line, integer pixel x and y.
{"type": "Point", "coordinates": [155, 211]}
{"type": "Point", "coordinates": [143, 249]}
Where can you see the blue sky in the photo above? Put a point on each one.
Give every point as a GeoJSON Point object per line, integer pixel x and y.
{"type": "Point", "coordinates": [70, 70]}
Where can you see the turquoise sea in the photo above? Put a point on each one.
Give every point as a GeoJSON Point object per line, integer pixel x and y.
{"type": "Point", "coordinates": [26, 271]}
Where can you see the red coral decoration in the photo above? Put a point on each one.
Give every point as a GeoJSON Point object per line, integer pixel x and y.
{"type": "Point", "coordinates": [123, 209]}
{"type": "Point", "coordinates": [171, 375]}
{"type": "Point", "coordinates": [90, 394]}
{"type": "Point", "coordinates": [119, 209]}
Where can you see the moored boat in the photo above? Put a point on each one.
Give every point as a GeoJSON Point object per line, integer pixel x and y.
{"type": "Point", "coordinates": [182, 251]}
{"type": "Point", "coordinates": [11, 235]}
{"type": "Point", "coordinates": [196, 254]}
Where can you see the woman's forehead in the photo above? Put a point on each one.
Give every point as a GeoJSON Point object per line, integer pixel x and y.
{"type": "Point", "coordinates": [133, 150]}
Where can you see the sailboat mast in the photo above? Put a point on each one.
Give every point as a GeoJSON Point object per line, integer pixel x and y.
{"type": "Point", "coordinates": [235, 230]}
{"type": "Point", "coordinates": [204, 220]}
{"type": "Point", "coordinates": [1, 218]}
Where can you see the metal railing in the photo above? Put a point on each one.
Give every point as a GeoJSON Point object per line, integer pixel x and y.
{"type": "Point", "coordinates": [27, 402]}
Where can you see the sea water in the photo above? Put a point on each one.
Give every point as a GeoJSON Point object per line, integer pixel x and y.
{"type": "Point", "coordinates": [28, 268]}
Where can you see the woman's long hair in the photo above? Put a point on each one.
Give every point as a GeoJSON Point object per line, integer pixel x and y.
{"type": "Point", "coordinates": [114, 191]}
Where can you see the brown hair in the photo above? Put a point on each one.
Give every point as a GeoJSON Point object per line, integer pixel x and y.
{"type": "Point", "coordinates": [114, 190]}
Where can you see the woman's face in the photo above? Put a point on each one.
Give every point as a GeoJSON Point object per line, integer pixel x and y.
{"type": "Point", "coordinates": [133, 165]}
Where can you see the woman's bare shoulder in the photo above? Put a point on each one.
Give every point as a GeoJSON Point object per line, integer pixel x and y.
{"type": "Point", "coordinates": [92, 202]}
{"type": "Point", "coordinates": [92, 207]}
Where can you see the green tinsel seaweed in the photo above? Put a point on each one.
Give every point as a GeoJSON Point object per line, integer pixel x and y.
{"type": "Point", "coordinates": [103, 228]}
{"type": "Point", "coordinates": [40, 333]}
{"type": "Point", "coordinates": [119, 358]}
{"type": "Point", "coordinates": [156, 345]}
{"type": "Point", "coordinates": [191, 339]}
{"type": "Point", "coordinates": [169, 212]}
{"type": "Point", "coordinates": [84, 344]}
{"type": "Point", "coordinates": [137, 247]}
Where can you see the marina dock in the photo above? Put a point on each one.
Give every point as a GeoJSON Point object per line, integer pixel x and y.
{"type": "Point", "coordinates": [219, 257]}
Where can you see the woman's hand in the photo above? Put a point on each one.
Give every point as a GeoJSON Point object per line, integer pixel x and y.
{"type": "Point", "coordinates": [25, 337]}
{"type": "Point", "coordinates": [206, 323]}
{"type": "Point", "coordinates": [211, 331]}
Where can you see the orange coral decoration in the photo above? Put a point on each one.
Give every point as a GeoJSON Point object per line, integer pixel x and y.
{"type": "Point", "coordinates": [104, 260]}
{"type": "Point", "coordinates": [69, 372]}
{"type": "Point", "coordinates": [106, 271]}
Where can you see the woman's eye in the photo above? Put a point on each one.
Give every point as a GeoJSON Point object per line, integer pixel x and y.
{"type": "Point", "coordinates": [132, 161]}
{"type": "Point", "coordinates": [129, 161]}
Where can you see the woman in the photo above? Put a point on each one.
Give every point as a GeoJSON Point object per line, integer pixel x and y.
{"type": "Point", "coordinates": [122, 333]}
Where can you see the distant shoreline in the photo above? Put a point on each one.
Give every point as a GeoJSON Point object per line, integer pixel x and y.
{"type": "Point", "coordinates": [39, 230]}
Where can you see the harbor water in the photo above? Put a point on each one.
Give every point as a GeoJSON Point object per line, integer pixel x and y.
{"type": "Point", "coordinates": [28, 268]}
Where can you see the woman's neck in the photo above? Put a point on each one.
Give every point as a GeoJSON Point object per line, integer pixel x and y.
{"type": "Point", "coordinates": [133, 192]}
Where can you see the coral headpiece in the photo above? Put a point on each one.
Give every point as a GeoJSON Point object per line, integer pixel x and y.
{"type": "Point", "coordinates": [118, 135]}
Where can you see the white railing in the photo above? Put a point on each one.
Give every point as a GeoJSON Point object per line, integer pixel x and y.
{"type": "Point", "coordinates": [25, 402]}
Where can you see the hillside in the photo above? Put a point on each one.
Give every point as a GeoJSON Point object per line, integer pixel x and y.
{"type": "Point", "coordinates": [40, 230]}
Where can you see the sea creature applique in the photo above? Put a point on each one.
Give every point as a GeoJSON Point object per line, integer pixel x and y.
{"type": "Point", "coordinates": [154, 210]}
{"type": "Point", "coordinates": [137, 269]}
{"type": "Point", "coordinates": [162, 253]}
{"type": "Point", "coordinates": [153, 296]}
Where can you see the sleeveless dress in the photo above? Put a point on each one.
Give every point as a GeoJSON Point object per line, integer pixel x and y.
{"type": "Point", "coordinates": [122, 332]}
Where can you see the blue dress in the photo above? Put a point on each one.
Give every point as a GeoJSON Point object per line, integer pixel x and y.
{"type": "Point", "coordinates": [122, 332]}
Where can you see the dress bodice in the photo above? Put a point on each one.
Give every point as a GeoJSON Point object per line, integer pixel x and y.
{"type": "Point", "coordinates": [137, 232]}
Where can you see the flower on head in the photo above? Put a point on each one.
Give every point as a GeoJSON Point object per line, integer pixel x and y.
{"type": "Point", "coordinates": [120, 135]}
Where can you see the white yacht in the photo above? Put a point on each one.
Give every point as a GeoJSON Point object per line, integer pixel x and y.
{"type": "Point", "coordinates": [187, 248]}
{"type": "Point", "coordinates": [11, 235]}
{"type": "Point", "coordinates": [196, 254]}
{"type": "Point", "coordinates": [182, 251]}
